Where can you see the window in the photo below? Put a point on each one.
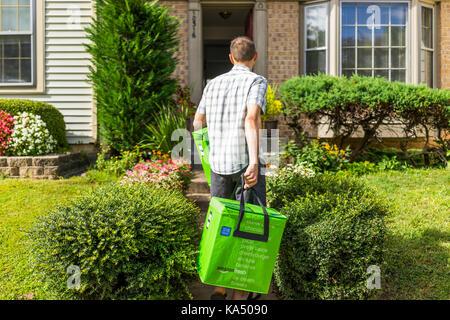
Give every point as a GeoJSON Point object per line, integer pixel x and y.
{"type": "Point", "coordinates": [16, 42]}
{"type": "Point", "coordinates": [427, 46]}
{"type": "Point", "coordinates": [374, 39]}
{"type": "Point", "coordinates": [316, 39]}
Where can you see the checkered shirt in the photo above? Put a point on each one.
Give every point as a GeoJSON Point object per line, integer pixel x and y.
{"type": "Point", "coordinates": [224, 101]}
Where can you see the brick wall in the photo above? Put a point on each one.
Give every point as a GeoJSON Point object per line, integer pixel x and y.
{"type": "Point", "coordinates": [282, 40]}
{"type": "Point", "coordinates": [282, 46]}
{"type": "Point", "coordinates": [180, 10]}
{"type": "Point", "coordinates": [445, 43]}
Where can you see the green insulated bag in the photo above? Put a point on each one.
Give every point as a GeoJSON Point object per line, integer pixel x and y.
{"type": "Point", "coordinates": [239, 244]}
{"type": "Point", "coordinates": [201, 141]}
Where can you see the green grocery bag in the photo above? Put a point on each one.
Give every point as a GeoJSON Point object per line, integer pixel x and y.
{"type": "Point", "coordinates": [239, 244]}
{"type": "Point", "coordinates": [201, 141]}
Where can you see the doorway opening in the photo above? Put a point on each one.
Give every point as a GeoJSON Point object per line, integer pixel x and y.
{"type": "Point", "coordinates": [220, 26]}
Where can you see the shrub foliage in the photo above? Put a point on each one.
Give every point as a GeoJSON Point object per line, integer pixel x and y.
{"type": "Point", "coordinates": [132, 47]}
{"type": "Point", "coordinates": [130, 242]}
{"type": "Point", "coordinates": [52, 117]}
{"type": "Point", "coordinates": [367, 103]}
{"type": "Point", "coordinates": [334, 232]}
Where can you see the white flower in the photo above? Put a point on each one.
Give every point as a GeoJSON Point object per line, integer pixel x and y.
{"type": "Point", "coordinates": [30, 136]}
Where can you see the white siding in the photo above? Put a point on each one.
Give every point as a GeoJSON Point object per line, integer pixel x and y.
{"type": "Point", "coordinates": [66, 67]}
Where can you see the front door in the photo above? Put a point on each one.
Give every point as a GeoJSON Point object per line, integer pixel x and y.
{"type": "Point", "coordinates": [220, 26]}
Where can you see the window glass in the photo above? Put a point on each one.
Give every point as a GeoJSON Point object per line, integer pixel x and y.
{"type": "Point", "coordinates": [427, 49]}
{"type": "Point", "coordinates": [16, 56]}
{"type": "Point", "coordinates": [374, 39]}
{"type": "Point", "coordinates": [316, 29]}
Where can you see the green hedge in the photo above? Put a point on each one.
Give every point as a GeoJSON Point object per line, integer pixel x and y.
{"type": "Point", "coordinates": [48, 113]}
{"type": "Point", "coordinates": [335, 230]}
{"type": "Point", "coordinates": [365, 103]}
{"type": "Point", "coordinates": [132, 242]}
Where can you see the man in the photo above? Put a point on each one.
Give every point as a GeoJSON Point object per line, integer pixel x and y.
{"type": "Point", "coordinates": [231, 107]}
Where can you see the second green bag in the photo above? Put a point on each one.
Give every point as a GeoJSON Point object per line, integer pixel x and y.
{"type": "Point", "coordinates": [201, 141]}
{"type": "Point", "coordinates": [239, 245]}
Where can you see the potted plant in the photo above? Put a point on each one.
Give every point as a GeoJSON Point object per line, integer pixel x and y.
{"type": "Point", "coordinates": [273, 109]}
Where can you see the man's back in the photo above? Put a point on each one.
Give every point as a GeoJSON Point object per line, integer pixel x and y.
{"type": "Point", "coordinates": [224, 101]}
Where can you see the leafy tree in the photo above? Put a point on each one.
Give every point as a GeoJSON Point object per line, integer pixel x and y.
{"type": "Point", "coordinates": [132, 47]}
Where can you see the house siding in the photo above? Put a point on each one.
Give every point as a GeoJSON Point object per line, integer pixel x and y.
{"type": "Point", "coordinates": [66, 68]}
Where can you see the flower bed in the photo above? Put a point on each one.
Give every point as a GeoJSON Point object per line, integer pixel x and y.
{"type": "Point", "coordinates": [169, 174]}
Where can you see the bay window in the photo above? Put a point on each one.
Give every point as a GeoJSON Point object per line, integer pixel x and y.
{"type": "Point", "coordinates": [16, 42]}
{"type": "Point", "coordinates": [374, 39]}
{"type": "Point", "coordinates": [427, 46]}
{"type": "Point", "coordinates": [316, 38]}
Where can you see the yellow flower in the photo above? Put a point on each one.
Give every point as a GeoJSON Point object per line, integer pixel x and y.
{"type": "Point", "coordinates": [343, 151]}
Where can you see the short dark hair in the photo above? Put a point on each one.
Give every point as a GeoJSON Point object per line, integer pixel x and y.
{"type": "Point", "coordinates": [242, 48]}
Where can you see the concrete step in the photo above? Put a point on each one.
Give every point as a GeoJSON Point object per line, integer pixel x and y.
{"type": "Point", "coordinates": [202, 291]}
{"type": "Point", "coordinates": [202, 200]}
{"type": "Point", "coordinates": [198, 183]}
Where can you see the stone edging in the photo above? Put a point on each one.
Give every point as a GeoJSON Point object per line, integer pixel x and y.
{"type": "Point", "coordinates": [44, 167]}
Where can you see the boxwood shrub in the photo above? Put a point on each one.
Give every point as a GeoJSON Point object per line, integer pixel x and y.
{"type": "Point", "coordinates": [283, 191]}
{"type": "Point", "coordinates": [49, 114]}
{"type": "Point", "coordinates": [132, 242]}
{"type": "Point", "coordinates": [334, 232]}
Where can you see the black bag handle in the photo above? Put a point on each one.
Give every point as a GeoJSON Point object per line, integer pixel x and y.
{"type": "Point", "coordinates": [248, 235]}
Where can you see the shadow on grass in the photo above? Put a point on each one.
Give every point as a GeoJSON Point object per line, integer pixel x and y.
{"type": "Point", "coordinates": [417, 267]}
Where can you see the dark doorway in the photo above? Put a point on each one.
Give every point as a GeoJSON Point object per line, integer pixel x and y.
{"type": "Point", "coordinates": [220, 26]}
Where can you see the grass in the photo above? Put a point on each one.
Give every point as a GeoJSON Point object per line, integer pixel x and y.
{"type": "Point", "coordinates": [418, 244]}
{"type": "Point", "coordinates": [21, 201]}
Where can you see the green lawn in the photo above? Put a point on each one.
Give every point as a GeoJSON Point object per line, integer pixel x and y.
{"type": "Point", "coordinates": [418, 248]}
{"type": "Point", "coordinates": [20, 202]}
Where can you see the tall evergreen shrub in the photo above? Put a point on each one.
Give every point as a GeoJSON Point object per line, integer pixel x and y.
{"type": "Point", "coordinates": [132, 47]}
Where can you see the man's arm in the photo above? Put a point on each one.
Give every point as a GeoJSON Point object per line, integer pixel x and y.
{"type": "Point", "coordinates": [252, 126]}
{"type": "Point", "coordinates": [199, 121]}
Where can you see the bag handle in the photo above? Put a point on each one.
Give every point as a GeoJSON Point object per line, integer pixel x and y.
{"type": "Point", "coordinates": [248, 235]}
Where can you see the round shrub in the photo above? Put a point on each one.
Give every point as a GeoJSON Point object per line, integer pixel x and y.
{"type": "Point", "coordinates": [283, 189]}
{"type": "Point", "coordinates": [129, 242]}
{"type": "Point", "coordinates": [334, 232]}
{"type": "Point", "coordinates": [52, 117]}
{"type": "Point", "coordinates": [329, 242]}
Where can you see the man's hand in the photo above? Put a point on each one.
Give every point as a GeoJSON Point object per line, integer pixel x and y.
{"type": "Point", "coordinates": [251, 176]}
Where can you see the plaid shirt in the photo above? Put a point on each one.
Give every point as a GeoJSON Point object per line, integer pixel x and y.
{"type": "Point", "coordinates": [224, 101]}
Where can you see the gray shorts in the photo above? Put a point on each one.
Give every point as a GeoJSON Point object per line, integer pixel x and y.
{"type": "Point", "coordinates": [223, 186]}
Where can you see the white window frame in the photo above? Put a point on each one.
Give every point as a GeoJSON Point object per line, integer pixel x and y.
{"type": "Point", "coordinates": [305, 36]}
{"type": "Point", "coordinates": [32, 34]}
{"type": "Point", "coordinates": [407, 40]}
{"type": "Point", "coordinates": [433, 26]}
